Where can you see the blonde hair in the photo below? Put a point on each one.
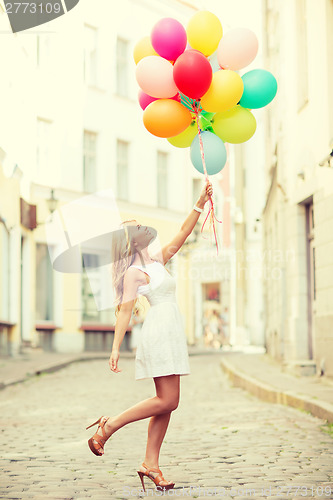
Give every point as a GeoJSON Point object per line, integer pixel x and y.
{"type": "Point", "coordinates": [122, 255]}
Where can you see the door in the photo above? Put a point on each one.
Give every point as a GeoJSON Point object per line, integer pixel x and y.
{"type": "Point", "coordinates": [311, 273]}
{"type": "Point", "coordinates": [25, 295]}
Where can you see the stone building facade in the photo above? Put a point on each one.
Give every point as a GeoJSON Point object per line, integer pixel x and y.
{"type": "Point", "coordinates": [298, 213]}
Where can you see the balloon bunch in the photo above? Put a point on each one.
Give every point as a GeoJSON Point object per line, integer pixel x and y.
{"type": "Point", "coordinates": [189, 104]}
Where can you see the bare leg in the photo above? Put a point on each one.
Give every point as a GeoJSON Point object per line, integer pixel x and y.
{"type": "Point", "coordinates": [157, 429]}
{"type": "Point", "coordinates": [159, 423]}
{"type": "Point", "coordinates": [165, 401]}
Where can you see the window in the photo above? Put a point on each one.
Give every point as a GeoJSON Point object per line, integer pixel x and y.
{"type": "Point", "coordinates": [43, 50]}
{"type": "Point", "coordinates": [122, 67]}
{"type": "Point", "coordinates": [4, 275]}
{"type": "Point", "coordinates": [162, 179]}
{"type": "Point", "coordinates": [89, 161]}
{"type": "Point", "coordinates": [196, 190]}
{"type": "Point", "coordinates": [90, 55]}
{"type": "Point", "coordinates": [122, 169]}
{"type": "Point", "coordinates": [44, 144]}
{"type": "Point", "coordinates": [89, 311]}
{"type": "Point", "coordinates": [44, 284]}
{"type": "Point", "coordinates": [302, 53]}
{"type": "Point", "coordinates": [95, 289]}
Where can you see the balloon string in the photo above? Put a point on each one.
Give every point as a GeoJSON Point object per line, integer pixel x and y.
{"type": "Point", "coordinates": [187, 100]}
{"type": "Point", "coordinates": [185, 97]}
{"type": "Point", "coordinates": [211, 208]}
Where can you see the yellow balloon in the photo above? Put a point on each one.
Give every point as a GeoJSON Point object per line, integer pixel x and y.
{"type": "Point", "coordinates": [143, 49]}
{"type": "Point", "coordinates": [235, 125]}
{"type": "Point", "coordinates": [224, 92]}
{"type": "Point", "coordinates": [204, 32]}
{"type": "Point", "coordinates": [184, 140]}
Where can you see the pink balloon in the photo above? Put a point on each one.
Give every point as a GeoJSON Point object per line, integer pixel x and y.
{"type": "Point", "coordinates": [145, 99]}
{"type": "Point", "coordinates": [154, 75]}
{"type": "Point", "coordinates": [168, 37]}
{"type": "Point", "coordinates": [237, 49]}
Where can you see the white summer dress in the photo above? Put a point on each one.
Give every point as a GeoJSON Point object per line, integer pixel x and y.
{"type": "Point", "coordinates": [162, 344]}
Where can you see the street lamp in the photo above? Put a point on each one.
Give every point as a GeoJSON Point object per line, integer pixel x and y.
{"type": "Point", "coordinates": [52, 202]}
{"type": "Point", "coordinates": [328, 161]}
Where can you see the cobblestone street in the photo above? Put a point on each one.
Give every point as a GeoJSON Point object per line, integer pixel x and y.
{"type": "Point", "coordinates": [220, 439]}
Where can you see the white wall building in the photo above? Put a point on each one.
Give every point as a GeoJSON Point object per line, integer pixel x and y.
{"type": "Point", "coordinates": [298, 216]}
{"type": "Point", "coordinates": [72, 124]}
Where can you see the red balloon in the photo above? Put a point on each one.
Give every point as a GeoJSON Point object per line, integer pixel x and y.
{"type": "Point", "coordinates": [192, 73]}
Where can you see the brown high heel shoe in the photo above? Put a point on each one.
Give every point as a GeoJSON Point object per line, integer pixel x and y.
{"type": "Point", "coordinates": [101, 440]}
{"type": "Point", "coordinates": [156, 479]}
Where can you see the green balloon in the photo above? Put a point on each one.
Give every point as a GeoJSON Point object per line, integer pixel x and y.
{"type": "Point", "coordinates": [204, 123]}
{"type": "Point", "coordinates": [235, 125]}
{"type": "Point", "coordinates": [260, 88]}
{"type": "Point", "coordinates": [184, 140]}
{"type": "Point", "coordinates": [207, 115]}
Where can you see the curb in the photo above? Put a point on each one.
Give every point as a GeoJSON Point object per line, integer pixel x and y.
{"type": "Point", "coordinates": [267, 393]}
{"type": "Point", "coordinates": [58, 365]}
{"type": "Point", "coordinates": [49, 369]}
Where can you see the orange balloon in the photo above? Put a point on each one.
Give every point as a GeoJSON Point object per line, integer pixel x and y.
{"type": "Point", "coordinates": [166, 118]}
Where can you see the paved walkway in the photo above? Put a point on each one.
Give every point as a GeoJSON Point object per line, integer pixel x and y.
{"type": "Point", "coordinates": [258, 373]}
{"type": "Point", "coordinates": [221, 442]}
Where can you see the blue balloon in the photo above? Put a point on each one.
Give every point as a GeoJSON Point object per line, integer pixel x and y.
{"type": "Point", "coordinates": [213, 61]}
{"type": "Point", "coordinates": [260, 88]}
{"type": "Point", "coordinates": [215, 153]}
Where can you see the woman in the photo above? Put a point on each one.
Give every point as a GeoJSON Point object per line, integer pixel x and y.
{"type": "Point", "coordinates": [161, 353]}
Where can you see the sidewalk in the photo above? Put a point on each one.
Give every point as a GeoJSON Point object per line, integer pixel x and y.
{"type": "Point", "coordinates": [263, 377]}
{"type": "Point", "coordinates": [35, 361]}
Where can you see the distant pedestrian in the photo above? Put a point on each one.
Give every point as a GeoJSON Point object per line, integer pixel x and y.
{"type": "Point", "coordinates": [205, 329]}
{"type": "Point", "coordinates": [225, 327]}
{"type": "Point", "coordinates": [136, 323]}
{"type": "Point", "coordinates": [215, 328]}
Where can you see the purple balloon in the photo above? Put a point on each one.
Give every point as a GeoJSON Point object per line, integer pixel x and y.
{"type": "Point", "coordinates": [168, 37]}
